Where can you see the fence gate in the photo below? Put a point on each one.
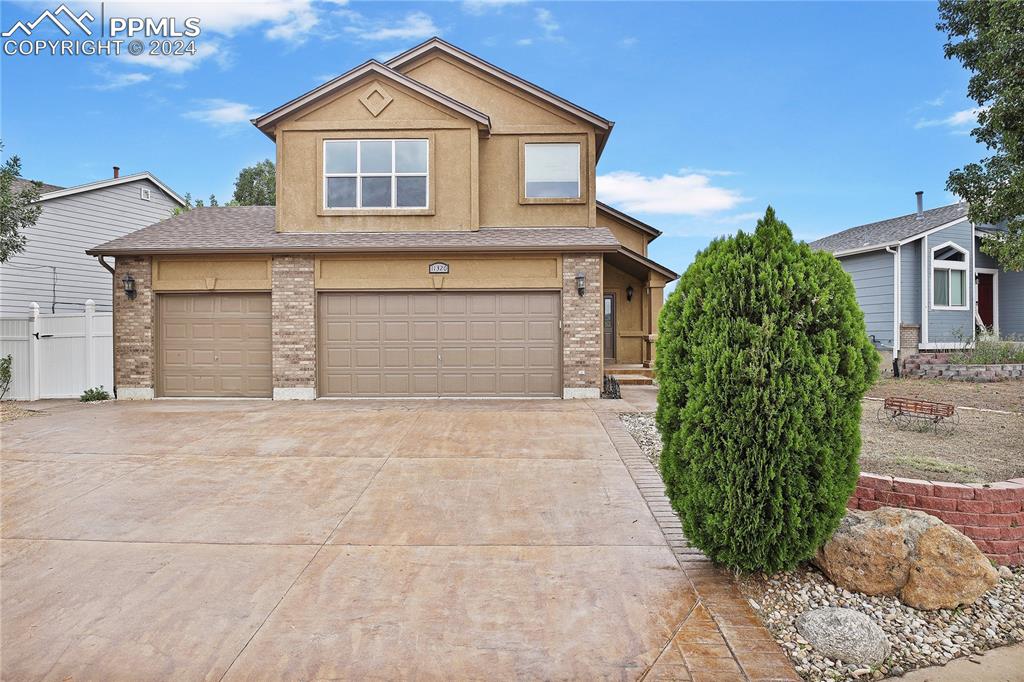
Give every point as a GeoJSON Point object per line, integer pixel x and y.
{"type": "Point", "coordinates": [58, 355]}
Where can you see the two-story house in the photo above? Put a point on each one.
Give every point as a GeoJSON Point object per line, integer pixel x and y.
{"type": "Point", "coordinates": [436, 233]}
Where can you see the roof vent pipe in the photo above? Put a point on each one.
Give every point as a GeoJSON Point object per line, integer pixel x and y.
{"type": "Point", "coordinates": [117, 172]}
{"type": "Point", "coordinates": [920, 204]}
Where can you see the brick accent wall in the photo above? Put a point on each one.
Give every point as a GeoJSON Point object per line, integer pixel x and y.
{"type": "Point", "coordinates": [910, 338]}
{"type": "Point", "coordinates": [990, 514]}
{"type": "Point", "coordinates": [581, 327]}
{"type": "Point", "coordinates": [134, 321]}
{"type": "Point", "coordinates": [293, 309]}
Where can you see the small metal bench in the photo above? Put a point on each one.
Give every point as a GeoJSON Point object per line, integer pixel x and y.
{"type": "Point", "coordinates": [905, 411]}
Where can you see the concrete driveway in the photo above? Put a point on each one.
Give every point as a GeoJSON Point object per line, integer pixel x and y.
{"type": "Point", "coordinates": [335, 539]}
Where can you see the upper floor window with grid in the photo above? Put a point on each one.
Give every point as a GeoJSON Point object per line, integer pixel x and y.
{"type": "Point", "coordinates": [376, 173]}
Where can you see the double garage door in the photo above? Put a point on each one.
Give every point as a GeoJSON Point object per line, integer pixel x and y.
{"type": "Point", "coordinates": [369, 344]}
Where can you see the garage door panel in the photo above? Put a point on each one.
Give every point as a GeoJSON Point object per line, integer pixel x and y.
{"type": "Point", "coordinates": [439, 343]}
{"type": "Point", "coordinates": [214, 345]}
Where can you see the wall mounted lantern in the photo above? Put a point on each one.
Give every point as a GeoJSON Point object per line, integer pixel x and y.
{"type": "Point", "coordinates": [129, 286]}
{"type": "Point", "coordinates": [581, 283]}
{"type": "Point", "coordinates": [629, 293]}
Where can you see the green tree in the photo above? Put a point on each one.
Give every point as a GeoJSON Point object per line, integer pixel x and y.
{"type": "Point", "coordinates": [762, 361]}
{"type": "Point", "coordinates": [18, 209]}
{"type": "Point", "coordinates": [255, 185]}
{"type": "Point", "coordinates": [987, 36]}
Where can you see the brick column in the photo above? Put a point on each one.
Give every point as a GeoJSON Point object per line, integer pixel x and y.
{"type": "Point", "coordinates": [582, 365]}
{"type": "Point", "coordinates": [134, 353]}
{"type": "Point", "coordinates": [293, 308]}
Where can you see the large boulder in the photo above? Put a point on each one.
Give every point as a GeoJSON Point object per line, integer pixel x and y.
{"type": "Point", "coordinates": [907, 554]}
{"type": "Point", "coordinates": [844, 634]}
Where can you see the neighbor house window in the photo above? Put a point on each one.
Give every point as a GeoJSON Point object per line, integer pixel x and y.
{"type": "Point", "coordinates": [552, 170]}
{"type": "Point", "coordinates": [375, 173]}
{"type": "Point", "coordinates": [949, 276]}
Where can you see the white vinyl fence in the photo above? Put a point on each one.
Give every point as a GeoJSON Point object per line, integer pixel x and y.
{"type": "Point", "coordinates": [58, 355]}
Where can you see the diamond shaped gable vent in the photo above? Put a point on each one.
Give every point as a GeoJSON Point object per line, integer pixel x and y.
{"type": "Point", "coordinates": [376, 100]}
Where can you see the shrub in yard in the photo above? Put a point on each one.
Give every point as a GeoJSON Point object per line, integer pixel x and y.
{"type": "Point", "coordinates": [92, 394]}
{"type": "Point", "coordinates": [6, 375]}
{"type": "Point", "coordinates": [763, 360]}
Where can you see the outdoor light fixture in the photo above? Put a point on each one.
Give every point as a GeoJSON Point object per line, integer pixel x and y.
{"type": "Point", "coordinates": [129, 286]}
{"type": "Point", "coordinates": [581, 283]}
{"type": "Point", "coordinates": [629, 293]}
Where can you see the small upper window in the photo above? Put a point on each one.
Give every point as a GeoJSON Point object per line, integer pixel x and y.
{"type": "Point", "coordinates": [949, 276]}
{"type": "Point", "coordinates": [375, 173]}
{"type": "Point", "coordinates": [145, 194]}
{"type": "Point", "coordinates": [552, 170]}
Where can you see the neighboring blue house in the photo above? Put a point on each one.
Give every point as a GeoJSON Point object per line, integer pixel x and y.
{"type": "Point", "coordinates": [923, 282]}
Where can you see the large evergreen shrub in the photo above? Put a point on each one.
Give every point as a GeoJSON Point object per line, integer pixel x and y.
{"type": "Point", "coordinates": [762, 360]}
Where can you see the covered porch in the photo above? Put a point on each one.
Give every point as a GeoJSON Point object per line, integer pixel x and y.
{"type": "Point", "coordinates": [634, 291]}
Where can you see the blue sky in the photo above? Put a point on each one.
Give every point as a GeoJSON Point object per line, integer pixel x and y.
{"type": "Point", "coordinates": [834, 113]}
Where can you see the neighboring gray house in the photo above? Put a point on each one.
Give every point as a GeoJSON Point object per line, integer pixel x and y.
{"type": "Point", "coordinates": [54, 270]}
{"type": "Point", "coordinates": [923, 282]}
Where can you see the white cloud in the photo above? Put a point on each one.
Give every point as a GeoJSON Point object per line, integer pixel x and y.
{"type": "Point", "coordinates": [209, 49]}
{"type": "Point", "coordinates": [414, 26]}
{"type": "Point", "coordinates": [706, 171]}
{"type": "Point", "coordinates": [222, 112]}
{"type": "Point", "coordinates": [958, 119]}
{"type": "Point", "coordinates": [546, 22]}
{"type": "Point", "coordinates": [524, 42]}
{"type": "Point", "coordinates": [628, 41]}
{"type": "Point", "coordinates": [226, 17]}
{"type": "Point", "coordinates": [479, 7]}
{"type": "Point", "coordinates": [690, 194]}
{"type": "Point", "coordinates": [116, 81]}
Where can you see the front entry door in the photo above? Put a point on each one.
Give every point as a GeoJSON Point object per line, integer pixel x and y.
{"type": "Point", "coordinates": [609, 327]}
{"type": "Point", "coordinates": [985, 298]}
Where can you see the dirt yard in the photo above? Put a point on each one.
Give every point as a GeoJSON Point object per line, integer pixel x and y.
{"type": "Point", "coordinates": [1000, 395]}
{"type": "Point", "coordinates": [985, 447]}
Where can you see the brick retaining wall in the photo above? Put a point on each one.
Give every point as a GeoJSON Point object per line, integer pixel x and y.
{"type": "Point", "coordinates": [990, 514]}
{"type": "Point", "coordinates": [937, 366]}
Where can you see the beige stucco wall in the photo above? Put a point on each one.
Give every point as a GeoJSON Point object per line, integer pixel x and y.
{"type": "Point", "coordinates": [474, 176]}
{"type": "Point", "coordinates": [211, 273]}
{"type": "Point", "coordinates": [630, 237]}
{"type": "Point", "coordinates": [453, 143]}
{"type": "Point", "coordinates": [465, 272]}
{"type": "Point", "coordinates": [630, 317]}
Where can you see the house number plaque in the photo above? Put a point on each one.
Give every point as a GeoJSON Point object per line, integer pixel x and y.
{"type": "Point", "coordinates": [438, 269]}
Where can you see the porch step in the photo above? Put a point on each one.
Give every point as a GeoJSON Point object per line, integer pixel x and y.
{"type": "Point", "coordinates": [616, 370]}
{"type": "Point", "coordinates": [633, 380]}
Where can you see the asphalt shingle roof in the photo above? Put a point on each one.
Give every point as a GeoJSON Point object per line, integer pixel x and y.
{"type": "Point", "coordinates": [887, 232]}
{"type": "Point", "coordinates": [21, 184]}
{"type": "Point", "coordinates": [250, 229]}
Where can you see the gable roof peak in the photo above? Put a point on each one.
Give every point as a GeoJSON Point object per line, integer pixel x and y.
{"type": "Point", "coordinates": [436, 43]}
{"type": "Point", "coordinates": [266, 122]}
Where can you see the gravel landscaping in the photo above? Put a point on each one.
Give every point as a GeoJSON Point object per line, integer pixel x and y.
{"type": "Point", "coordinates": [9, 411]}
{"type": "Point", "coordinates": [918, 638]}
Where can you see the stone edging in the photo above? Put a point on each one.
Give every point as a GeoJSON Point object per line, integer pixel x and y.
{"type": "Point", "coordinates": [990, 514]}
{"type": "Point", "coordinates": [720, 604]}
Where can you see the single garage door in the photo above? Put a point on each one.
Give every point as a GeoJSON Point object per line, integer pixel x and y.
{"type": "Point", "coordinates": [439, 344]}
{"type": "Point", "coordinates": [215, 345]}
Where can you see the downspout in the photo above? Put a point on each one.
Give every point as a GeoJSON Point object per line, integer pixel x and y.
{"type": "Point", "coordinates": [926, 275]}
{"type": "Point", "coordinates": [113, 319]}
{"type": "Point", "coordinates": [896, 308]}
